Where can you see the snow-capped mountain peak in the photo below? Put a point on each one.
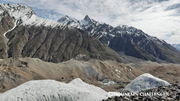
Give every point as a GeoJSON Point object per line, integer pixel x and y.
{"type": "Point", "coordinates": [81, 24]}
{"type": "Point", "coordinates": [98, 29]}
{"type": "Point", "coordinates": [117, 38]}
{"type": "Point", "coordinates": [87, 18]}
{"type": "Point", "coordinates": [18, 11]}
{"type": "Point", "coordinates": [122, 26]}
{"type": "Point", "coordinates": [26, 16]}
{"type": "Point", "coordinates": [69, 21]}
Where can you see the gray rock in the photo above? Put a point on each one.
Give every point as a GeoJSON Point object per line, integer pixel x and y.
{"type": "Point", "coordinates": [82, 57]}
{"type": "Point", "coordinates": [105, 81]}
{"type": "Point", "coordinates": [90, 72]}
{"type": "Point", "coordinates": [100, 77]}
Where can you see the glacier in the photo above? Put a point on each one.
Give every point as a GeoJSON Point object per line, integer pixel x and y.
{"type": "Point", "coordinates": [51, 90]}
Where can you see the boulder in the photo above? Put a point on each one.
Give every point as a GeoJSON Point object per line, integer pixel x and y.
{"type": "Point", "coordinates": [144, 82]}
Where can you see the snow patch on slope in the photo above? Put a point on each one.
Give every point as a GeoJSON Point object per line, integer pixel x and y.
{"type": "Point", "coordinates": [10, 31]}
{"type": "Point", "coordinates": [144, 82]}
{"type": "Point", "coordinates": [50, 90]}
{"type": "Point", "coordinates": [37, 21]}
{"type": "Point", "coordinates": [84, 22]}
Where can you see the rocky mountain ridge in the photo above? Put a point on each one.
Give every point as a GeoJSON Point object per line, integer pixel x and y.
{"type": "Point", "coordinates": [128, 40]}
{"type": "Point", "coordinates": [132, 41]}
{"type": "Point", "coordinates": [24, 34]}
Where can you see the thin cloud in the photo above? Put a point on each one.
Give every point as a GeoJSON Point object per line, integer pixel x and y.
{"type": "Point", "coordinates": [158, 18]}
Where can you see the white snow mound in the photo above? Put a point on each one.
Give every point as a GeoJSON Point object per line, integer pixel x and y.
{"type": "Point", "coordinates": [51, 90]}
{"type": "Point", "coordinates": [144, 82]}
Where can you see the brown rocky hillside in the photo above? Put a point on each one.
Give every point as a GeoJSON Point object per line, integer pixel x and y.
{"type": "Point", "coordinates": [14, 72]}
{"type": "Point", "coordinates": [55, 44]}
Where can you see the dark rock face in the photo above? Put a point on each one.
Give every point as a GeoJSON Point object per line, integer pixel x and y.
{"type": "Point", "coordinates": [7, 22]}
{"type": "Point", "coordinates": [162, 93]}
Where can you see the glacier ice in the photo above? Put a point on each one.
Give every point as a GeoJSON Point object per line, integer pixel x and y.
{"type": "Point", "coordinates": [144, 82]}
{"type": "Point", "coordinates": [51, 90]}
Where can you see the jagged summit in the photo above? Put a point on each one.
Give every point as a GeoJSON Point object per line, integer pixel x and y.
{"type": "Point", "coordinates": [85, 21]}
{"type": "Point", "coordinates": [66, 20]}
{"type": "Point", "coordinates": [81, 24]}
{"type": "Point", "coordinates": [87, 17]}
{"type": "Point", "coordinates": [122, 26]}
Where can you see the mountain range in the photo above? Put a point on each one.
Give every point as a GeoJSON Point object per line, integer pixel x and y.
{"type": "Point", "coordinates": [129, 40]}
{"type": "Point", "coordinates": [24, 34]}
